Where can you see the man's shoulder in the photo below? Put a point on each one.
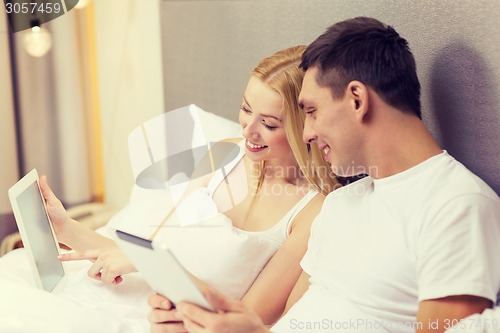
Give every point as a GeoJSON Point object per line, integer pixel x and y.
{"type": "Point", "coordinates": [452, 188]}
{"type": "Point", "coordinates": [455, 179]}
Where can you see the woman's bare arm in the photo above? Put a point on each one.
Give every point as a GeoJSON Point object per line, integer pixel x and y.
{"type": "Point", "coordinates": [271, 290]}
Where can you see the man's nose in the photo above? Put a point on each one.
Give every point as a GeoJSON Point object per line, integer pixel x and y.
{"type": "Point", "coordinates": [308, 135]}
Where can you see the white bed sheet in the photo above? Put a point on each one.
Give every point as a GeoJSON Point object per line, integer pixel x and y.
{"type": "Point", "coordinates": [86, 305]}
{"type": "Point", "coordinates": [83, 305]}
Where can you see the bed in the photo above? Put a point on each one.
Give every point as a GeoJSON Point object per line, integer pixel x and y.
{"type": "Point", "coordinates": [86, 305]}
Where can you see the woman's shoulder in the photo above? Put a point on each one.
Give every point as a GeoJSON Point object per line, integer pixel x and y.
{"type": "Point", "coordinates": [309, 211]}
{"type": "Point", "coordinates": [316, 201]}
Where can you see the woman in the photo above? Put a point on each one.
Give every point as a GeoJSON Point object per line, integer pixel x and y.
{"type": "Point", "coordinates": [286, 180]}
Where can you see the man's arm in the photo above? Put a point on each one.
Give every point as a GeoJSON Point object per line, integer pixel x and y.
{"type": "Point", "coordinates": [463, 231]}
{"type": "Point", "coordinates": [437, 315]}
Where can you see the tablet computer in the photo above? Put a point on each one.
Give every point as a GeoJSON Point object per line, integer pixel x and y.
{"type": "Point", "coordinates": [161, 270]}
{"type": "Point", "coordinates": [39, 240]}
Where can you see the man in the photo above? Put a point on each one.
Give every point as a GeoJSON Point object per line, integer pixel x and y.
{"type": "Point", "coordinates": [412, 247]}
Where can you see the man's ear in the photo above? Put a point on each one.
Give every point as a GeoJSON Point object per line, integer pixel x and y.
{"type": "Point", "coordinates": [358, 94]}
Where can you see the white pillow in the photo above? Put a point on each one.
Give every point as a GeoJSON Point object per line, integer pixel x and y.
{"type": "Point", "coordinates": [218, 128]}
{"type": "Point", "coordinates": [151, 204]}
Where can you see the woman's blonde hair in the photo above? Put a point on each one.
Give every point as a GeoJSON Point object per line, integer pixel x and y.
{"type": "Point", "coordinates": [281, 73]}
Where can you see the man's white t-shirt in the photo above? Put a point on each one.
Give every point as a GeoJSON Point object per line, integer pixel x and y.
{"type": "Point", "coordinates": [380, 246]}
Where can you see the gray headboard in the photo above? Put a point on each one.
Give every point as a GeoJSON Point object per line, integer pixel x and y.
{"type": "Point", "coordinates": [210, 46]}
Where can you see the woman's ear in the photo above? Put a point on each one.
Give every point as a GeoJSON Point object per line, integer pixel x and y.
{"type": "Point", "coordinates": [358, 94]}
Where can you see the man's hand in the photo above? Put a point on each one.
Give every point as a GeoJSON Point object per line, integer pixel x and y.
{"type": "Point", "coordinates": [163, 316]}
{"type": "Point", "coordinates": [232, 316]}
{"type": "Point", "coordinates": [109, 264]}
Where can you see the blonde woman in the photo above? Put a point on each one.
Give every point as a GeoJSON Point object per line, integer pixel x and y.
{"type": "Point", "coordinates": [286, 181]}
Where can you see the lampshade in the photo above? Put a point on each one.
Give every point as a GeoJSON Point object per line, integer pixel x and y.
{"type": "Point", "coordinates": [82, 4]}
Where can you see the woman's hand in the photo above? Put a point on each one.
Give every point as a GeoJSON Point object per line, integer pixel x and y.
{"type": "Point", "coordinates": [109, 264]}
{"type": "Point", "coordinates": [58, 215]}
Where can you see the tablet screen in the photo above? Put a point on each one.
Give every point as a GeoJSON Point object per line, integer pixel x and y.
{"type": "Point", "coordinates": [40, 237]}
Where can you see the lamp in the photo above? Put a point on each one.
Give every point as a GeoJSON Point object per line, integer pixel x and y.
{"type": "Point", "coordinates": [37, 40]}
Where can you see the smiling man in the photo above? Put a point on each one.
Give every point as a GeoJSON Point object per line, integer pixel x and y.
{"type": "Point", "coordinates": [411, 247]}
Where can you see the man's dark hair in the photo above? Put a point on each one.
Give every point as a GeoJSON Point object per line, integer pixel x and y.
{"type": "Point", "coordinates": [366, 50]}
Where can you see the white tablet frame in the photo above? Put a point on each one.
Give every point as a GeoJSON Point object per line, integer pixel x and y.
{"type": "Point", "coordinates": [159, 266]}
{"type": "Point", "coordinates": [14, 192]}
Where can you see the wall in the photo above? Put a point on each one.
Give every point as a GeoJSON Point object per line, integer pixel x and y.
{"type": "Point", "coordinates": [46, 129]}
{"type": "Point", "coordinates": [130, 83]}
{"type": "Point", "coordinates": [158, 55]}
{"type": "Point", "coordinates": [209, 47]}
{"type": "Point", "coordinates": [7, 134]}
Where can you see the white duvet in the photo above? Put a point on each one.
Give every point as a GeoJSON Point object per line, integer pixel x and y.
{"type": "Point", "coordinates": [84, 305]}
